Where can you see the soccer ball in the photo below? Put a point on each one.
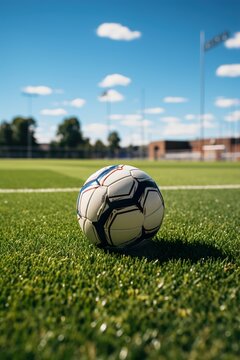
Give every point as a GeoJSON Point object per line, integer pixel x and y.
{"type": "Point", "coordinates": [119, 205]}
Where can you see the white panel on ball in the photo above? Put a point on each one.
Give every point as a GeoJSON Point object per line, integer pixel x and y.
{"type": "Point", "coordinates": [150, 201]}
{"type": "Point", "coordinates": [154, 220]}
{"type": "Point", "coordinates": [81, 221]}
{"type": "Point", "coordinates": [97, 203]}
{"type": "Point", "coordinates": [91, 233]}
{"type": "Point", "coordinates": [122, 237]}
{"type": "Point", "coordinates": [122, 189]}
{"type": "Point", "coordinates": [85, 200]}
{"type": "Point", "coordinates": [140, 175]}
{"type": "Point", "coordinates": [128, 167]}
{"type": "Point", "coordinates": [127, 218]}
{"type": "Point", "coordinates": [113, 176]}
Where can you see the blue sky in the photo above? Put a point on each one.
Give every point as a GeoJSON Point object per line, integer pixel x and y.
{"type": "Point", "coordinates": [65, 49]}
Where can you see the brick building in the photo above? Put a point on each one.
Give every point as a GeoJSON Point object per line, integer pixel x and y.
{"type": "Point", "coordinates": [212, 149]}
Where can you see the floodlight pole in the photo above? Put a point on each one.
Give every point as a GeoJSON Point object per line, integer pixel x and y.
{"type": "Point", "coordinates": [202, 92]}
{"type": "Point", "coordinates": [108, 115]}
{"type": "Point", "coordinates": [142, 122]}
{"type": "Point", "coordinates": [204, 46]}
{"type": "Point", "coordinates": [108, 112]}
{"type": "Point", "coordinates": [238, 121]}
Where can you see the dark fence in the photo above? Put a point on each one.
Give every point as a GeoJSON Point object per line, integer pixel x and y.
{"type": "Point", "coordinates": [37, 152]}
{"type": "Point", "coordinates": [19, 152]}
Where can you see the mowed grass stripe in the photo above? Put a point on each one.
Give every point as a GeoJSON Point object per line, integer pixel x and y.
{"type": "Point", "coordinates": [34, 174]}
{"type": "Point", "coordinates": [177, 187]}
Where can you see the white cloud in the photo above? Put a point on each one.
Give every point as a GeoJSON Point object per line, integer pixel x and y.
{"type": "Point", "coordinates": [190, 117]}
{"type": "Point", "coordinates": [174, 126]}
{"type": "Point", "coordinates": [115, 80]}
{"type": "Point", "coordinates": [37, 90]}
{"type": "Point", "coordinates": [117, 31]}
{"type": "Point", "coordinates": [133, 122]}
{"type": "Point", "coordinates": [153, 111]}
{"type": "Point", "coordinates": [170, 119]}
{"type": "Point", "coordinates": [231, 70]}
{"type": "Point", "coordinates": [135, 139]}
{"type": "Point", "coordinates": [175, 99]}
{"type": "Point", "coordinates": [116, 117]}
{"type": "Point", "coordinates": [206, 117]}
{"type": "Point", "coordinates": [233, 116]}
{"type": "Point", "coordinates": [178, 129]}
{"type": "Point", "coordinates": [126, 117]}
{"type": "Point", "coordinates": [225, 102]}
{"type": "Point", "coordinates": [208, 124]}
{"type": "Point", "coordinates": [111, 96]}
{"type": "Point", "coordinates": [77, 102]}
{"type": "Point", "coordinates": [97, 131]}
{"type": "Point", "coordinates": [45, 135]}
{"type": "Point", "coordinates": [233, 43]}
{"type": "Point", "coordinates": [95, 128]}
{"type": "Point", "coordinates": [53, 112]}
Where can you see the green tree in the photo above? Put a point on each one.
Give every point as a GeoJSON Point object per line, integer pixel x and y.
{"type": "Point", "coordinates": [114, 143]}
{"type": "Point", "coordinates": [100, 149]}
{"type": "Point", "coordinates": [69, 133]}
{"type": "Point", "coordinates": [22, 128]}
{"type": "Point", "coordinates": [6, 134]}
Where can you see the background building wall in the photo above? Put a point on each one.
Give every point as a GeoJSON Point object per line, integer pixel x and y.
{"type": "Point", "coordinates": [215, 149]}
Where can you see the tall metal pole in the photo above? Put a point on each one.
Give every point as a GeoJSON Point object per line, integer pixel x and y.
{"type": "Point", "coordinates": [202, 92]}
{"type": "Point", "coordinates": [238, 122]}
{"type": "Point", "coordinates": [142, 122]}
{"type": "Point", "coordinates": [108, 115]}
{"type": "Point", "coordinates": [204, 46]}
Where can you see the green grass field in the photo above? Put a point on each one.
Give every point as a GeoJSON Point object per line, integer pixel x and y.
{"type": "Point", "coordinates": [62, 298]}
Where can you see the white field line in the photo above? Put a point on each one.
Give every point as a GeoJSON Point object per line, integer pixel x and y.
{"type": "Point", "coordinates": [47, 190]}
{"type": "Point", "coordinates": [177, 187]}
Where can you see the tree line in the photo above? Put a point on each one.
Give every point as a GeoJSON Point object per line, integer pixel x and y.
{"type": "Point", "coordinates": [20, 132]}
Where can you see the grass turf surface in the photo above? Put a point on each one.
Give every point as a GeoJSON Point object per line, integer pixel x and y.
{"type": "Point", "coordinates": [164, 173]}
{"type": "Point", "coordinates": [62, 298]}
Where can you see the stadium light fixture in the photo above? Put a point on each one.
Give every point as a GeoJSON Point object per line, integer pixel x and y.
{"type": "Point", "coordinates": [206, 46]}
